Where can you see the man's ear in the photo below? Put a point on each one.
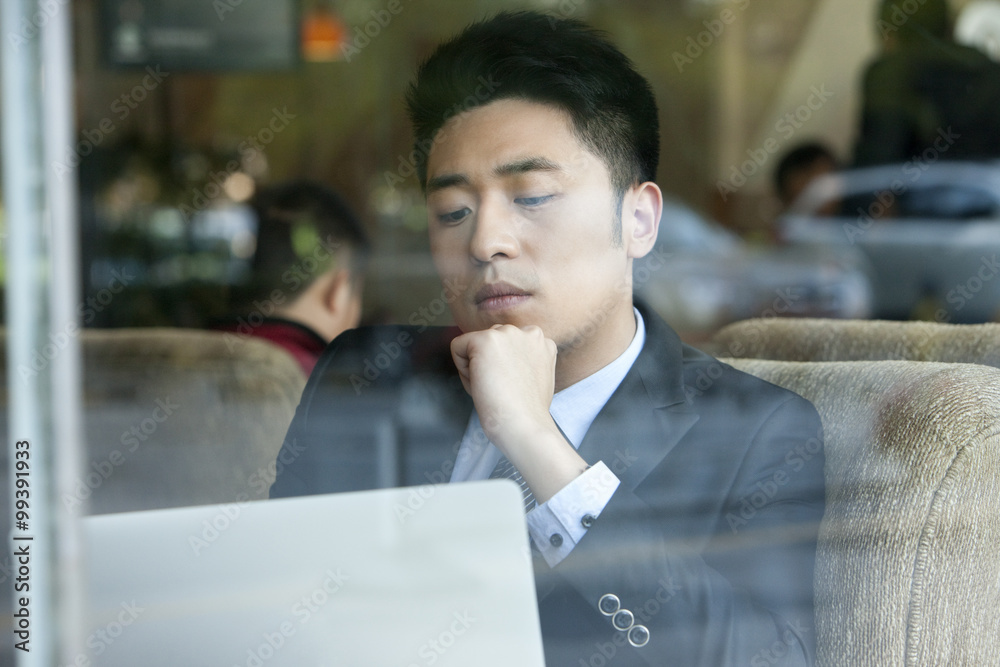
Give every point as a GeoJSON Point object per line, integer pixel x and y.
{"type": "Point", "coordinates": [340, 299]}
{"type": "Point", "coordinates": [641, 218]}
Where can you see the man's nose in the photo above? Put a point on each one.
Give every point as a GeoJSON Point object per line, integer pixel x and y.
{"type": "Point", "coordinates": [495, 233]}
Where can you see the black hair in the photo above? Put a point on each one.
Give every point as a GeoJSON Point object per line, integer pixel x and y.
{"type": "Point", "coordinates": [800, 158]}
{"type": "Point", "coordinates": [302, 229]}
{"type": "Point", "coordinates": [540, 58]}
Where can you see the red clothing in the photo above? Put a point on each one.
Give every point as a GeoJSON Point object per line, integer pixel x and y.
{"type": "Point", "coordinates": [302, 342]}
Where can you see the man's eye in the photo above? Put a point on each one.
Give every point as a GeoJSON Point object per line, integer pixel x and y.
{"type": "Point", "coordinates": [454, 216]}
{"type": "Point", "coordinates": [532, 201]}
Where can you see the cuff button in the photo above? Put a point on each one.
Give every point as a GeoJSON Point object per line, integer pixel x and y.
{"type": "Point", "coordinates": [588, 520]}
{"type": "Point", "coordinates": [556, 540]}
{"type": "Point", "coordinates": [638, 636]}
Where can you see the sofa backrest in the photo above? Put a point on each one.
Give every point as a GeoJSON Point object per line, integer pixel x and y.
{"type": "Point", "coordinates": [180, 417]}
{"type": "Point", "coordinates": [791, 339]}
{"type": "Point", "coordinates": [908, 567]}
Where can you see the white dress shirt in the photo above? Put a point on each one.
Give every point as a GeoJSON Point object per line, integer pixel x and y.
{"type": "Point", "coordinates": [559, 524]}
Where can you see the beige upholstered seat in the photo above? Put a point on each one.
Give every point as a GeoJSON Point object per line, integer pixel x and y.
{"type": "Point", "coordinates": [856, 340]}
{"type": "Point", "coordinates": [180, 417]}
{"type": "Point", "coordinates": [908, 568]}
{"type": "Point", "coordinates": [197, 417]}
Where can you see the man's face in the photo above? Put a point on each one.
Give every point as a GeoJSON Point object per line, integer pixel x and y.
{"type": "Point", "coordinates": [521, 220]}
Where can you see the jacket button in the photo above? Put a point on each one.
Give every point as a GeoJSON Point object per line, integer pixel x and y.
{"type": "Point", "coordinates": [638, 635]}
{"type": "Point", "coordinates": [623, 620]}
{"type": "Point", "coordinates": [556, 540]}
{"type": "Point", "coordinates": [588, 520]}
{"type": "Point", "coordinates": [609, 604]}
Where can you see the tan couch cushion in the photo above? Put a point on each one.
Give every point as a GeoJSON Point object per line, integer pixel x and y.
{"type": "Point", "coordinates": [857, 340]}
{"type": "Point", "coordinates": [183, 417]}
{"type": "Point", "coordinates": [908, 569]}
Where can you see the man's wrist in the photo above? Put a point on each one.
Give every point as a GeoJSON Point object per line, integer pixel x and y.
{"type": "Point", "coordinates": [545, 459]}
{"type": "Point", "coordinates": [514, 433]}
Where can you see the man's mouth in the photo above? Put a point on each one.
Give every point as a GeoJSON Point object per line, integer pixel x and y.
{"type": "Point", "coordinates": [500, 296]}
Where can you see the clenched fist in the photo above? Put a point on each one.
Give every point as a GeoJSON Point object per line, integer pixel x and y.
{"type": "Point", "coordinates": [510, 373]}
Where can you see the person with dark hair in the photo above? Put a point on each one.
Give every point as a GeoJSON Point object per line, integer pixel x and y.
{"type": "Point", "coordinates": [800, 167]}
{"type": "Point", "coordinates": [925, 96]}
{"type": "Point", "coordinates": [672, 502]}
{"type": "Point", "coordinates": [307, 270]}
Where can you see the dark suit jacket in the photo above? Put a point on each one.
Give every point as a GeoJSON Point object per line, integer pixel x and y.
{"type": "Point", "coordinates": [709, 541]}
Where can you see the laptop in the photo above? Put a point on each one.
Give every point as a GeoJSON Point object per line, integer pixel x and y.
{"type": "Point", "coordinates": [432, 575]}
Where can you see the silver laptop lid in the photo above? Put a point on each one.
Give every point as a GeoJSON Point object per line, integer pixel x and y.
{"type": "Point", "coordinates": [434, 575]}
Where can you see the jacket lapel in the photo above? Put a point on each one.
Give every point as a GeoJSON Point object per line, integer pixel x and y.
{"type": "Point", "coordinates": [647, 415]}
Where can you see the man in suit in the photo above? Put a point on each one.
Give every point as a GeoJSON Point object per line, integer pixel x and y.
{"type": "Point", "coordinates": [673, 502]}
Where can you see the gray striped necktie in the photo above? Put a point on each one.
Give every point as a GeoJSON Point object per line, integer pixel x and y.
{"type": "Point", "coordinates": [506, 470]}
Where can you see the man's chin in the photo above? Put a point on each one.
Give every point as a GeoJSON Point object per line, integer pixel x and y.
{"type": "Point", "coordinates": [489, 320]}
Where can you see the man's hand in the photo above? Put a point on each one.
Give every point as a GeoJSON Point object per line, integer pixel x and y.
{"type": "Point", "coordinates": [510, 374]}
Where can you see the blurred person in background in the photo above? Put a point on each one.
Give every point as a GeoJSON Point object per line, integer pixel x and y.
{"type": "Point", "coordinates": [307, 272]}
{"type": "Point", "coordinates": [799, 168]}
{"type": "Point", "coordinates": [926, 97]}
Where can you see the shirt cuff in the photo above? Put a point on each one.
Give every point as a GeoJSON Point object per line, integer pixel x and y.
{"type": "Point", "coordinates": [557, 526]}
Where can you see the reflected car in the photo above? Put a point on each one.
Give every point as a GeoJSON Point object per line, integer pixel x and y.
{"type": "Point", "coordinates": [701, 276]}
{"type": "Point", "coordinates": [931, 233]}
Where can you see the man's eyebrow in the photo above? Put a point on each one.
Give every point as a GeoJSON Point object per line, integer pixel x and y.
{"type": "Point", "coordinates": [445, 181]}
{"type": "Point", "coordinates": [510, 169]}
{"type": "Point", "coordinates": [526, 165]}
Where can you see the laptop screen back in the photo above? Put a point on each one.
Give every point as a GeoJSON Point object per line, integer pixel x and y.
{"type": "Point", "coordinates": [432, 575]}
